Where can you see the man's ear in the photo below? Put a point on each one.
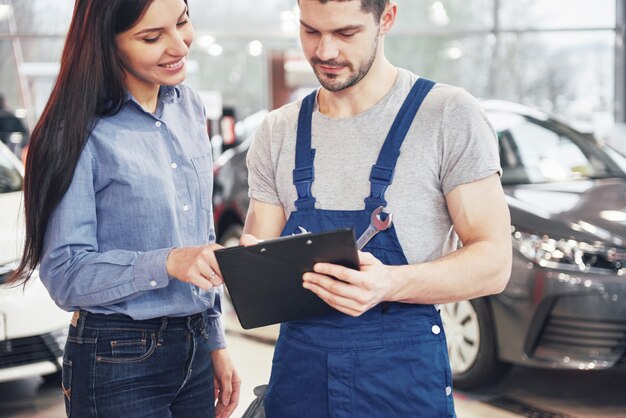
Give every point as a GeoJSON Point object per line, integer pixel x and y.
{"type": "Point", "coordinates": [388, 18]}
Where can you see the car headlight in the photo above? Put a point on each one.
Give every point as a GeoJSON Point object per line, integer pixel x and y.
{"type": "Point", "coordinates": [569, 254]}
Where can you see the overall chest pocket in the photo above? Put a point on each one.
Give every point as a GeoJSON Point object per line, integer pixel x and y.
{"type": "Point", "coordinates": [203, 166]}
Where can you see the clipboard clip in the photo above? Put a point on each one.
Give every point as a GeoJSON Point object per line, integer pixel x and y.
{"type": "Point", "coordinates": [302, 231]}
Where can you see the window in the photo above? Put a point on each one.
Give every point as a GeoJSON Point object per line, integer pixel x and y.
{"type": "Point", "coordinates": [539, 151]}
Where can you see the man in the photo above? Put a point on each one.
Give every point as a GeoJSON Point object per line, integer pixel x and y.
{"type": "Point", "coordinates": [9, 126]}
{"type": "Point", "coordinates": [320, 164]}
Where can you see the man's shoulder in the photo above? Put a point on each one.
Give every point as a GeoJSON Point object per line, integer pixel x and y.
{"type": "Point", "coordinates": [442, 94]}
{"type": "Point", "coordinates": [445, 96]}
{"type": "Point", "coordinates": [283, 117]}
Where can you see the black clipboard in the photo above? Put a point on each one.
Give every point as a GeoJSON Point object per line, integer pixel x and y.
{"type": "Point", "coordinates": [265, 280]}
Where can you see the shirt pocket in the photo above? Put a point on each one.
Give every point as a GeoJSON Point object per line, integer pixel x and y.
{"type": "Point", "coordinates": [203, 165]}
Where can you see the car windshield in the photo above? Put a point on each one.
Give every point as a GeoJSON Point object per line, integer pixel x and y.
{"type": "Point", "coordinates": [543, 151]}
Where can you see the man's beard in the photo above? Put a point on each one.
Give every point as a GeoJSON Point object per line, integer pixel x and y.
{"type": "Point", "coordinates": [331, 82]}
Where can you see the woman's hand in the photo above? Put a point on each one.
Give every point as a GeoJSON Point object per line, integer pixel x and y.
{"type": "Point", "coordinates": [226, 382]}
{"type": "Point", "coordinates": [195, 265]}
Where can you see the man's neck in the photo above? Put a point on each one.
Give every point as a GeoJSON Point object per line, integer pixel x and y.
{"type": "Point", "coordinates": [360, 97]}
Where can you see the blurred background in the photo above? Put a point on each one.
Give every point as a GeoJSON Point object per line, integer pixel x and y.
{"type": "Point", "coordinates": [562, 56]}
{"type": "Point", "coordinates": [552, 78]}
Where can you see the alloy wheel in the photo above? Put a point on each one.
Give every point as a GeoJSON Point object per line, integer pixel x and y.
{"type": "Point", "coordinates": [462, 334]}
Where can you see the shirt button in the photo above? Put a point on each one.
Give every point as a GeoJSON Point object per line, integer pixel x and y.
{"type": "Point", "coordinates": [185, 208]}
{"type": "Point", "coordinates": [436, 329]}
{"type": "Point", "coordinates": [153, 283]}
{"type": "Point", "coordinates": [174, 165]}
{"type": "Point", "coordinates": [158, 123]}
{"type": "Point", "coordinates": [448, 391]}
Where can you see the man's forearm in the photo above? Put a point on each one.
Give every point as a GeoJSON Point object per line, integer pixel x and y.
{"type": "Point", "coordinates": [479, 269]}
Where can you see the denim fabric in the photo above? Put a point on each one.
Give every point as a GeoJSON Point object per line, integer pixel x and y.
{"type": "Point", "coordinates": [142, 186]}
{"type": "Point", "coordinates": [114, 366]}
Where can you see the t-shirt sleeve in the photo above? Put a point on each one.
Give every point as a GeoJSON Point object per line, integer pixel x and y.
{"type": "Point", "coordinates": [470, 144]}
{"type": "Point", "coordinates": [261, 169]}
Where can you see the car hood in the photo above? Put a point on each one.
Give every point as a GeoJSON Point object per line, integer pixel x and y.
{"type": "Point", "coordinates": [11, 227]}
{"type": "Point", "coordinates": [589, 210]}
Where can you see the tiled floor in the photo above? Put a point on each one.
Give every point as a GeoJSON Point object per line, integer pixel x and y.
{"type": "Point", "coordinates": [253, 359]}
{"type": "Point", "coordinates": [532, 393]}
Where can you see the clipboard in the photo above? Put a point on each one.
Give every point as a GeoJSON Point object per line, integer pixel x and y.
{"type": "Point", "coordinates": [265, 280]}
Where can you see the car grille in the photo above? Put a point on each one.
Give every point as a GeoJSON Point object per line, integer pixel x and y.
{"type": "Point", "coordinates": [589, 338]}
{"type": "Point", "coordinates": [22, 351]}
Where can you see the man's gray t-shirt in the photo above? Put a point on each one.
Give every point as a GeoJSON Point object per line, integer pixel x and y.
{"type": "Point", "coordinates": [450, 143]}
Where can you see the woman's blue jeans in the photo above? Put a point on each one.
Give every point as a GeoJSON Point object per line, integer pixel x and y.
{"type": "Point", "coordinates": [114, 367]}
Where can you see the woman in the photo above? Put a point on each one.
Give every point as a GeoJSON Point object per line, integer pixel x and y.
{"type": "Point", "coordinates": [118, 212]}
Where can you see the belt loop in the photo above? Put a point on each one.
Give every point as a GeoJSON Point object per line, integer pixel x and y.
{"type": "Point", "coordinates": [161, 330]}
{"type": "Point", "coordinates": [81, 326]}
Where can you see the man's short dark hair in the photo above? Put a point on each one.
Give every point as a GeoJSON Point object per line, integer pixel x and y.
{"type": "Point", "coordinates": [376, 7]}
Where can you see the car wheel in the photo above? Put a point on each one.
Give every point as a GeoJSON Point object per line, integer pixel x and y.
{"type": "Point", "coordinates": [230, 237]}
{"type": "Point", "coordinates": [471, 344]}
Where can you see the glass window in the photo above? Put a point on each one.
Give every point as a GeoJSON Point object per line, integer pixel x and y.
{"type": "Point", "coordinates": [42, 50]}
{"type": "Point", "coordinates": [43, 16]}
{"type": "Point", "coordinates": [570, 74]}
{"type": "Point", "coordinates": [9, 85]}
{"type": "Point", "coordinates": [460, 61]}
{"type": "Point", "coordinates": [416, 15]}
{"type": "Point", "coordinates": [557, 14]}
{"type": "Point", "coordinates": [243, 18]}
{"type": "Point", "coordinates": [239, 76]}
{"type": "Point", "coordinates": [537, 151]}
{"type": "Point", "coordinates": [5, 14]}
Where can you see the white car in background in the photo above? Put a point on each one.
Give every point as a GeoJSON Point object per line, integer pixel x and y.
{"type": "Point", "coordinates": [32, 328]}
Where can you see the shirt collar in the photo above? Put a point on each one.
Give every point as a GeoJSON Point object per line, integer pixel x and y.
{"type": "Point", "coordinates": [169, 94]}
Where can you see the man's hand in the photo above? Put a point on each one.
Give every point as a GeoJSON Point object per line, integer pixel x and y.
{"type": "Point", "coordinates": [356, 291]}
{"type": "Point", "coordinates": [195, 265]}
{"type": "Point", "coordinates": [226, 382]}
{"type": "Point", "coordinates": [248, 239]}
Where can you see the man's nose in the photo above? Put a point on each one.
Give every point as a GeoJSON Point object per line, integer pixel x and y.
{"type": "Point", "coordinates": [327, 49]}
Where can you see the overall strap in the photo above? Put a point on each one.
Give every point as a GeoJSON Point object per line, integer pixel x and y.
{"type": "Point", "coordinates": [303, 173]}
{"type": "Point", "coordinates": [382, 172]}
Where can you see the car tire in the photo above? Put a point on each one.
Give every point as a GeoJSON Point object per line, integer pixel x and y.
{"type": "Point", "coordinates": [472, 344]}
{"type": "Point", "coordinates": [230, 237]}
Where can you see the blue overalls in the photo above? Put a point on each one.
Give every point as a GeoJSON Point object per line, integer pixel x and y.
{"type": "Point", "coordinates": [391, 361]}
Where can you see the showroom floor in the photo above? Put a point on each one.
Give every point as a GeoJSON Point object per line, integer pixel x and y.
{"type": "Point", "coordinates": [523, 393]}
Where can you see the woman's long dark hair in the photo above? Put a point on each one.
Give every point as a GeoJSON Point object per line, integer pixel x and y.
{"type": "Point", "coordinates": [90, 84]}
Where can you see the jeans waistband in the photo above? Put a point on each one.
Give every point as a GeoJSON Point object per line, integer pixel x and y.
{"type": "Point", "coordinates": [102, 321]}
{"type": "Point", "coordinates": [92, 321]}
